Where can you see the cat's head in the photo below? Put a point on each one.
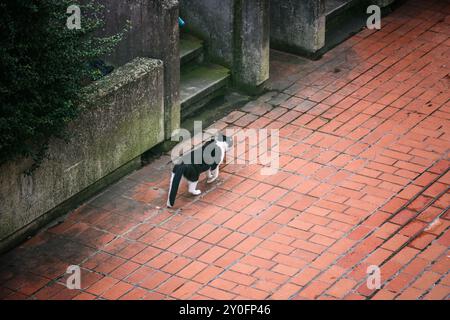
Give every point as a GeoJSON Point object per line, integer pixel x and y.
{"type": "Point", "coordinates": [227, 141]}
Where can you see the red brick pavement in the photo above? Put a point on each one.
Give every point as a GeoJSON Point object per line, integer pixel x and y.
{"type": "Point", "coordinates": [364, 181]}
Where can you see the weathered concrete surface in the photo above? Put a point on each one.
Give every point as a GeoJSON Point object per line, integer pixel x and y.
{"type": "Point", "coordinates": [155, 34]}
{"type": "Point", "coordinates": [212, 21]}
{"type": "Point", "coordinates": [236, 35]}
{"type": "Point", "coordinates": [124, 120]}
{"type": "Point", "coordinates": [252, 42]}
{"type": "Point", "coordinates": [298, 26]}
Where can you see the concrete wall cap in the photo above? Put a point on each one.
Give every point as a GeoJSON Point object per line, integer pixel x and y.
{"type": "Point", "coordinates": [169, 4]}
{"type": "Point", "coordinates": [122, 76]}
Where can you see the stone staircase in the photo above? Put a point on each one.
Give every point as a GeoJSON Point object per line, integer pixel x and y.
{"type": "Point", "coordinates": [201, 81]}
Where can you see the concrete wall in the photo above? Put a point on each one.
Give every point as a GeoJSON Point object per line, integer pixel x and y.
{"type": "Point", "coordinates": [298, 26]}
{"type": "Point", "coordinates": [154, 33]}
{"type": "Point", "coordinates": [212, 21]}
{"type": "Point", "coordinates": [236, 35]}
{"type": "Point", "coordinates": [124, 119]}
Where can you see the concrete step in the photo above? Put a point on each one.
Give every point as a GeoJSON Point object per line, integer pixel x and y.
{"type": "Point", "coordinates": [200, 84]}
{"type": "Point", "coordinates": [334, 6]}
{"type": "Point", "coordinates": [191, 49]}
{"type": "Point", "coordinates": [344, 18]}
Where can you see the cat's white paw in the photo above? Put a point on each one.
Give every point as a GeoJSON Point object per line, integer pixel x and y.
{"type": "Point", "coordinates": [197, 193]}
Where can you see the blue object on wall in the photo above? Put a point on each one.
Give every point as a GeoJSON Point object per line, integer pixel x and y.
{"type": "Point", "coordinates": [181, 22]}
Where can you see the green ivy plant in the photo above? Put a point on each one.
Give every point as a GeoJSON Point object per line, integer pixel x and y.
{"type": "Point", "coordinates": [44, 67]}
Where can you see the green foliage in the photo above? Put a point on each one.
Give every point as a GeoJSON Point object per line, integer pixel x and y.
{"type": "Point", "coordinates": [44, 67]}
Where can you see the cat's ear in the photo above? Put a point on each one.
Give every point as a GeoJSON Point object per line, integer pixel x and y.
{"type": "Point", "coordinates": [221, 137]}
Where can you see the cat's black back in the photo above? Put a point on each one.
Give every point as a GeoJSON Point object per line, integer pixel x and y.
{"type": "Point", "coordinates": [194, 163]}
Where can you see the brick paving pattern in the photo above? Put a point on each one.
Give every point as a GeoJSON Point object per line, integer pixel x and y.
{"type": "Point", "coordinates": [364, 181]}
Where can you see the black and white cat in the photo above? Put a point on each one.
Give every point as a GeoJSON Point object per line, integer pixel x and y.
{"type": "Point", "coordinates": [208, 158]}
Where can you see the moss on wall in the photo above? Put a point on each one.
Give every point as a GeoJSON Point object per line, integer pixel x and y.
{"type": "Point", "coordinates": [124, 119]}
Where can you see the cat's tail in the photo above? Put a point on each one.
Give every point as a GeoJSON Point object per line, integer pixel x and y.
{"type": "Point", "coordinates": [174, 184]}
